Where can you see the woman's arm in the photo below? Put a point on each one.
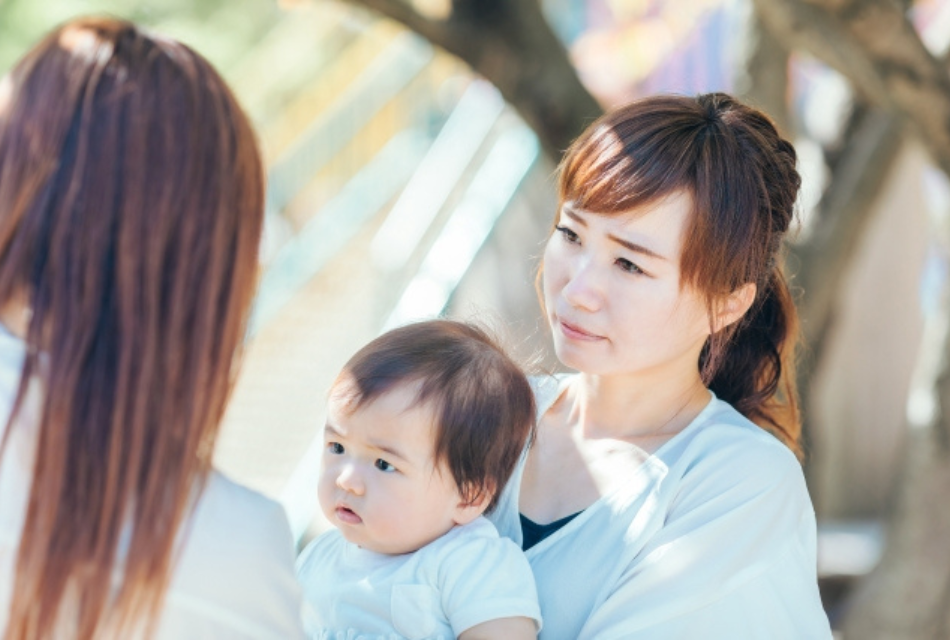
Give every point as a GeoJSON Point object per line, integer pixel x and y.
{"type": "Point", "coordinates": [502, 628]}
{"type": "Point", "coordinates": [734, 557]}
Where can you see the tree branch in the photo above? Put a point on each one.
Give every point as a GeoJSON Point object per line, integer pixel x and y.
{"type": "Point", "coordinates": [875, 46]}
{"type": "Point", "coordinates": [402, 12]}
{"type": "Point", "coordinates": [512, 46]}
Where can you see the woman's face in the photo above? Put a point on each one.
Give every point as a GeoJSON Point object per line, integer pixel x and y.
{"type": "Point", "coordinates": [612, 291]}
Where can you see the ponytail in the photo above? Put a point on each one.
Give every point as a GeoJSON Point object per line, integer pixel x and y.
{"type": "Point", "coordinates": [753, 367]}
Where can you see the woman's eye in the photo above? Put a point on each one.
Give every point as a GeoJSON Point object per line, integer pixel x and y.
{"type": "Point", "coordinates": [335, 448]}
{"type": "Point", "coordinates": [382, 465]}
{"type": "Point", "coordinates": [628, 266]}
{"type": "Point", "coordinates": [569, 235]}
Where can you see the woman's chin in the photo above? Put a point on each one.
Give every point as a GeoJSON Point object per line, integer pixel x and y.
{"type": "Point", "coordinates": [574, 358]}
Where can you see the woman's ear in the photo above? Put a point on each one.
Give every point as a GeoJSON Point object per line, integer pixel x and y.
{"type": "Point", "coordinates": [469, 509]}
{"type": "Point", "coordinates": [733, 306]}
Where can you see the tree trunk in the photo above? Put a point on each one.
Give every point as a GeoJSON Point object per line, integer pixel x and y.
{"type": "Point", "coordinates": [908, 594]}
{"type": "Point", "coordinates": [873, 44]}
{"type": "Point", "coordinates": [510, 43]}
{"type": "Point", "coordinates": [767, 76]}
{"type": "Point", "coordinates": [857, 168]}
{"type": "Point", "coordinates": [818, 265]}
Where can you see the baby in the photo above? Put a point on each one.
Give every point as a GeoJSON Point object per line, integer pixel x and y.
{"type": "Point", "coordinates": [424, 427]}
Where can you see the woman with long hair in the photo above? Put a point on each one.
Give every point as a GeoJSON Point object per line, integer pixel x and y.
{"type": "Point", "coordinates": [663, 495]}
{"type": "Point", "coordinates": [131, 206]}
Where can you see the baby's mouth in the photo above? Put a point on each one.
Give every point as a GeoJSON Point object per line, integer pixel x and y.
{"type": "Point", "coordinates": [347, 515]}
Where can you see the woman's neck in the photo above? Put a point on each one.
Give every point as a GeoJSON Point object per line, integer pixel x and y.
{"type": "Point", "coordinates": [633, 408]}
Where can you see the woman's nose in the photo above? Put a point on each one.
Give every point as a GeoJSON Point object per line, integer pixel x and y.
{"type": "Point", "coordinates": [349, 480]}
{"type": "Point", "coordinates": [584, 287]}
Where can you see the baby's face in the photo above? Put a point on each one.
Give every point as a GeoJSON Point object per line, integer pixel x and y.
{"type": "Point", "coordinates": [379, 484]}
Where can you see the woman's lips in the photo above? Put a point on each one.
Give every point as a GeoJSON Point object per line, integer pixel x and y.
{"type": "Point", "coordinates": [576, 333]}
{"type": "Point", "coordinates": [347, 515]}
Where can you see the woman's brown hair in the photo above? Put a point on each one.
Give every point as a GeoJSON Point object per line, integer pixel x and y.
{"type": "Point", "coordinates": [742, 179]}
{"type": "Point", "coordinates": [131, 205]}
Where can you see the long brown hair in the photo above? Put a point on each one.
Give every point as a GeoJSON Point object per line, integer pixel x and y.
{"type": "Point", "coordinates": [741, 176]}
{"type": "Point", "coordinates": [131, 205]}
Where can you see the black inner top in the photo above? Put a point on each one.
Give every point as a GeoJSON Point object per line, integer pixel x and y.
{"type": "Point", "coordinates": [532, 533]}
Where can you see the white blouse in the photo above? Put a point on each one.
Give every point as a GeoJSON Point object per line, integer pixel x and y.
{"type": "Point", "coordinates": [235, 576]}
{"type": "Point", "coordinates": [715, 538]}
{"type": "Point", "coordinates": [468, 576]}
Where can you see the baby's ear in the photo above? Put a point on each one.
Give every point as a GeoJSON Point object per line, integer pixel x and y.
{"type": "Point", "coordinates": [472, 504]}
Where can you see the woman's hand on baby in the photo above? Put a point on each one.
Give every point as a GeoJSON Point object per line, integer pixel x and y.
{"type": "Point", "coordinates": [507, 628]}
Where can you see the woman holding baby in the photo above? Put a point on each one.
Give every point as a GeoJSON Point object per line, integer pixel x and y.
{"type": "Point", "coordinates": [662, 496]}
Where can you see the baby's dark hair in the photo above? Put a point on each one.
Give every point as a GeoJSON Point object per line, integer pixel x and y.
{"type": "Point", "coordinates": [483, 404]}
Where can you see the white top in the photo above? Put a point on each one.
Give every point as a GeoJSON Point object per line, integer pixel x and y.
{"type": "Point", "coordinates": [714, 539]}
{"type": "Point", "coordinates": [235, 576]}
{"type": "Point", "coordinates": [468, 576]}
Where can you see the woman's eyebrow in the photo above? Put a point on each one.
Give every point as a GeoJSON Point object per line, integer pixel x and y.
{"type": "Point", "coordinates": [570, 213]}
{"type": "Point", "coordinates": [638, 248]}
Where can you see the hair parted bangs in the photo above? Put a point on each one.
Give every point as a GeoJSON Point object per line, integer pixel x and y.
{"type": "Point", "coordinates": [482, 402]}
{"type": "Point", "coordinates": [641, 153]}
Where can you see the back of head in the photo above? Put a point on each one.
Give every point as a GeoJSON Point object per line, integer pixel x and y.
{"type": "Point", "coordinates": [131, 205]}
{"type": "Point", "coordinates": [482, 401]}
{"type": "Point", "coordinates": [741, 176]}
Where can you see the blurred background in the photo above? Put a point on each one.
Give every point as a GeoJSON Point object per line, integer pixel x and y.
{"type": "Point", "coordinates": [411, 146]}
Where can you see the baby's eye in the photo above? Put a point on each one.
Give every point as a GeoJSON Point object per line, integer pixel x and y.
{"type": "Point", "coordinates": [382, 465]}
{"type": "Point", "coordinates": [335, 448]}
{"type": "Point", "coordinates": [569, 235]}
{"type": "Point", "coordinates": [628, 266]}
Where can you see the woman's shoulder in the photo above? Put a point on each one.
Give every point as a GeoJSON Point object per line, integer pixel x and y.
{"type": "Point", "coordinates": [235, 570]}
{"type": "Point", "coordinates": [242, 516]}
{"type": "Point", "coordinates": [720, 433]}
{"type": "Point", "coordinates": [234, 536]}
{"type": "Point", "coordinates": [222, 490]}
{"type": "Point", "coordinates": [725, 453]}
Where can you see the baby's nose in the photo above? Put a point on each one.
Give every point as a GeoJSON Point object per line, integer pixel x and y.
{"type": "Point", "coordinates": [349, 480]}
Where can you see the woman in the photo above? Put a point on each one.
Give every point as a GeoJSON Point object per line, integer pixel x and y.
{"type": "Point", "coordinates": [651, 505]}
{"type": "Point", "coordinates": [131, 204]}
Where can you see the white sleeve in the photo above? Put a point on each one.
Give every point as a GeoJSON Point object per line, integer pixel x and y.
{"type": "Point", "coordinates": [315, 568]}
{"type": "Point", "coordinates": [486, 578]}
{"type": "Point", "coordinates": [735, 558]}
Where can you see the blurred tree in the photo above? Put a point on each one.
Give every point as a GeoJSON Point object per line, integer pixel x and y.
{"type": "Point", "coordinates": [222, 31]}
{"type": "Point", "coordinates": [876, 47]}
{"type": "Point", "coordinates": [510, 43]}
